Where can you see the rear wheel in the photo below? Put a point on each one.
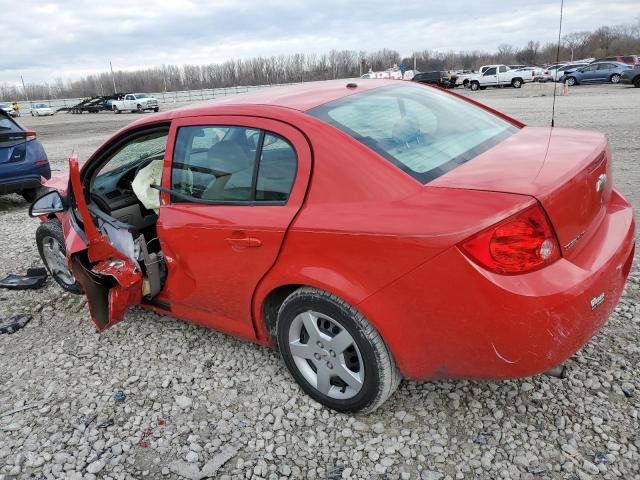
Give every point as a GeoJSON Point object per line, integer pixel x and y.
{"type": "Point", "coordinates": [334, 353]}
{"type": "Point", "coordinates": [157, 109]}
{"type": "Point", "coordinates": [571, 81]}
{"type": "Point", "coordinates": [636, 82]}
{"type": "Point", "coordinates": [474, 86]}
{"type": "Point", "coordinates": [30, 194]}
{"type": "Point", "coordinates": [615, 78]}
{"type": "Point", "coordinates": [116, 109]}
{"type": "Point", "coordinates": [51, 246]}
{"type": "Point", "coordinates": [516, 83]}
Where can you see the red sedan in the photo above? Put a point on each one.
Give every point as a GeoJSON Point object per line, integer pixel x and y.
{"type": "Point", "coordinates": [370, 231]}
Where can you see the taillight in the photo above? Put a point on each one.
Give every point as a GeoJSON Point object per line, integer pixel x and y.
{"type": "Point", "coordinates": [522, 243]}
{"type": "Point", "coordinates": [31, 135]}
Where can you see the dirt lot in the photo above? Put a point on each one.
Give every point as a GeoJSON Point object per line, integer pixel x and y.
{"type": "Point", "coordinates": [196, 397]}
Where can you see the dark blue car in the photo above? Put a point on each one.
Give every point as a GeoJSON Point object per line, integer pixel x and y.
{"type": "Point", "coordinates": [599, 72]}
{"type": "Point", "coordinates": [22, 159]}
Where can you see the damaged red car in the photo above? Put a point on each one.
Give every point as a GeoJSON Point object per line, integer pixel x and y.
{"type": "Point", "coordinates": [370, 231]}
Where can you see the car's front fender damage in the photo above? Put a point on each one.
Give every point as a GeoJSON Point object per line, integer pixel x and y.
{"type": "Point", "coordinates": [110, 285]}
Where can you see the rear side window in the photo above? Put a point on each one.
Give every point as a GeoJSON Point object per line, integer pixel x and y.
{"type": "Point", "coordinates": [423, 131]}
{"type": "Point", "coordinates": [276, 170]}
{"type": "Point", "coordinates": [231, 164]}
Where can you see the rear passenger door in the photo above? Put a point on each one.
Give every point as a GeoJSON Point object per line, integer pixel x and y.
{"type": "Point", "coordinates": [605, 70]}
{"type": "Point", "coordinates": [230, 192]}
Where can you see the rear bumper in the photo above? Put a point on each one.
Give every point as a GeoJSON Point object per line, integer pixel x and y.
{"type": "Point", "coordinates": [451, 318]}
{"type": "Point", "coordinates": [18, 185]}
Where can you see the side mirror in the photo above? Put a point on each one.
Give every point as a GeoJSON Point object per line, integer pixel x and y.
{"type": "Point", "coordinates": [50, 202]}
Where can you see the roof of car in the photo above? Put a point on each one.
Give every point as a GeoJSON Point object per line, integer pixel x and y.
{"type": "Point", "coordinates": [302, 97]}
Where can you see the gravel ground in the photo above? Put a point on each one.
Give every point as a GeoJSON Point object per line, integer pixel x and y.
{"type": "Point", "coordinates": [198, 403]}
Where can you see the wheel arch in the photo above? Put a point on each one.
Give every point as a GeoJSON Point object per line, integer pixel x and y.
{"type": "Point", "coordinates": [275, 288]}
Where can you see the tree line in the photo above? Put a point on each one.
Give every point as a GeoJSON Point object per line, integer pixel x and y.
{"type": "Point", "coordinates": [604, 41]}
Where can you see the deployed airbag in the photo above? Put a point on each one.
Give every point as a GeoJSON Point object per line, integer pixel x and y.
{"type": "Point", "coordinates": [151, 174]}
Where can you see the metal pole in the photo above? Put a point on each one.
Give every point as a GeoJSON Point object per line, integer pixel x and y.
{"type": "Point", "coordinates": [26, 94]}
{"type": "Point", "coordinates": [115, 90]}
{"type": "Point", "coordinates": [164, 76]}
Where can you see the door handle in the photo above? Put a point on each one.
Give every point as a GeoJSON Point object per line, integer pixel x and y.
{"type": "Point", "coordinates": [244, 241]}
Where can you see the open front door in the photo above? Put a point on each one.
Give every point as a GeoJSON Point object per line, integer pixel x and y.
{"type": "Point", "coordinates": [112, 281]}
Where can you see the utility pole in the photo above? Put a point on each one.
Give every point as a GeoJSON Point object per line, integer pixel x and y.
{"type": "Point", "coordinates": [26, 94]}
{"type": "Point", "coordinates": [414, 63]}
{"type": "Point", "coordinates": [113, 78]}
{"type": "Point", "coordinates": [164, 77]}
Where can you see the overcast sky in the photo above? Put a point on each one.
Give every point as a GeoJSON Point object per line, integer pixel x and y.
{"type": "Point", "coordinates": [45, 40]}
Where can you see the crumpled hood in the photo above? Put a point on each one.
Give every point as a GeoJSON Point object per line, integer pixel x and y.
{"type": "Point", "coordinates": [57, 182]}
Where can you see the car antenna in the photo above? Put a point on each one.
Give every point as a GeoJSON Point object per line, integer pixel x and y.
{"type": "Point", "coordinates": [553, 107]}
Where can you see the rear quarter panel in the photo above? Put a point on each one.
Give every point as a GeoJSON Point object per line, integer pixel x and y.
{"type": "Point", "coordinates": [365, 223]}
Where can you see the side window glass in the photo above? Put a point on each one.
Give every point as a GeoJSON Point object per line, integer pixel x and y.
{"type": "Point", "coordinates": [592, 68]}
{"type": "Point", "coordinates": [214, 163]}
{"type": "Point", "coordinates": [277, 169]}
{"type": "Point", "coordinates": [503, 69]}
{"type": "Point", "coordinates": [490, 71]}
{"type": "Point", "coordinates": [120, 169]}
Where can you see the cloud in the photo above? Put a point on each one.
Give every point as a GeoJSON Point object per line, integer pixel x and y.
{"type": "Point", "coordinates": [67, 39]}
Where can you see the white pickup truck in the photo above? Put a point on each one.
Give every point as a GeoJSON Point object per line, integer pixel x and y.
{"type": "Point", "coordinates": [499, 76]}
{"type": "Point", "coordinates": [135, 102]}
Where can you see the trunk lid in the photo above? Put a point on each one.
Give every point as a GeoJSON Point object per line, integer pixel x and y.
{"type": "Point", "coordinates": [12, 142]}
{"type": "Point", "coordinates": [568, 171]}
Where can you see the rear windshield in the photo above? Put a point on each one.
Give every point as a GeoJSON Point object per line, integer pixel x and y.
{"type": "Point", "coordinates": [421, 130]}
{"type": "Point", "coordinates": [7, 125]}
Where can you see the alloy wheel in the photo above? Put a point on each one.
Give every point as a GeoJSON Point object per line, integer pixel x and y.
{"type": "Point", "coordinates": [326, 355]}
{"type": "Point", "coordinates": [615, 78]}
{"type": "Point", "coordinates": [56, 260]}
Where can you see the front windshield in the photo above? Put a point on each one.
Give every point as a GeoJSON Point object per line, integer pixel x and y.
{"type": "Point", "coordinates": [421, 130]}
{"type": "Point", "coordinates": [40, 105]}
{"type": "Point", "coordinates": [140, 95]}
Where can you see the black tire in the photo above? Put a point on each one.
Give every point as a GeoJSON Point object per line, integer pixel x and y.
{"type": "Point", "coordinates": [474, 86]}
{"type": "Point", "coordinates": [116, 109]}
{"type": "Point", "coordinates": [381, 376]}
{"type": "Point", "coordinates": [615, 78]}
{"type": "Point", "coordinates": [636, 82]}
{"type": "Point", "coordinates": [30, 194]}
{"type": "Point", "coordinates": [53, 229]}
{"type": "Point", "coordinates": [516, 82]}
{"type": "Point", "coordinates": [571, 81]}
{"type": "Point", "coordinates": [465, 83]}
{"type": "Point", "coordinates": [139, 108]}
{"type": "Point", "coordinates": [157, 109]}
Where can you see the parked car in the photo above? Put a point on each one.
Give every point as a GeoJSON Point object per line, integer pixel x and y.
{"type": "Point", "coordinates": [40, 109]}
{"type": "Point", "coordinates": [135, 102]}
{"type": "Point", "coordinates": [8, 109]}
{"type": "Point", "coordinates": [439, 78]}
{"type": "Point", "coordinates": [23, 160]}
{"type": "Point", "coordinates": [500, 76]}
{"type": "Point", "coordinates": [604, 72]}
{"type": "Point", "coordinates": [631, 77]}
{"type": "Point", "coordinates": [566, 69]}
{"type": "Point", "coordinates": [628, 59]}
{"type": "Point", "coordinates": [371, 230]}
